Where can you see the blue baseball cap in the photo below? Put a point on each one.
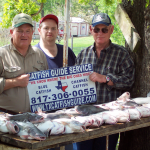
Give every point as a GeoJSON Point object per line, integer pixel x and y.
{"type": "Point", "coordinates": [101, 18]}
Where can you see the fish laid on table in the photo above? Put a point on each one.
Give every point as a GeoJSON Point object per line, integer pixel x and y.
{"type": "Point", "coordinates": [142, 100]}
{"type": "Point", "coordinates": [89, 109]}
{"type": "Point", "coordinates": [122, 116]}
{"type": "Point", "coordinates": [71, 112]}
{"type": "Point", "coordinates": [58, 128]}
{"type": "Point", "coordinates": [31, 117]}
{"type": "Point", "coordinates": [111, 105]}
{"type": "Point", "coordinates": [45, 127]}
{"type": "Point", "coordinates": [97, 121]}
{"type": "Point", "coordinates": [124, 97]}
{"type": "Point", "coordinates": [134, 114]}
{"type": "Point", "coordinates": [75, 119]}
{"type": "Point", "coordinates": [144, 111]}
{"type": "Point", "coordinates": [8, 126]}
{"type": "Point", "coordinates": [55, 115]}
{"type": "Point", "coordinates": [131, 104]}
{"type": "Point", "coordinates": [114, 116]}
{"type": "Point", "coordinates": [49, 127]}
{"type": "Point", "coordinates": [107, 119]}
{"type": "Point", "coordinates": [120, 104]}
{"type": "Point", "coordinates": [29, 131]}
{"type": "Point", "coordinates": [85, 120]}
{"type": "Point", "coordinates": [146, 105]}
{"type": "Point", "coordinates": [71, 126]}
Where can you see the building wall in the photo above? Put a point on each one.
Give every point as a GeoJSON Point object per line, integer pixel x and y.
{"type": "Point", "coordinates": [75, 29]}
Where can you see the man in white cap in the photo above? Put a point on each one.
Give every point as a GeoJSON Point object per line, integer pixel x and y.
{"type": "Point", "coordinates": [113, 73]}
{"type": "Point", "coordinates": [16, 61]}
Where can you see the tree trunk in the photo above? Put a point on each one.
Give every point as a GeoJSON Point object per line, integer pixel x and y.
{"type": "Point", "coordinates": [139, 139]}
{"type": "Point", "coordinates": [42, 13]}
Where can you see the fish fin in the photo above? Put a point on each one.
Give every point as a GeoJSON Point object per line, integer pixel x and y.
{"type": "Point", "coordinates": [47, 132]}
{"type": "Point", "coordinates": [39, 110]}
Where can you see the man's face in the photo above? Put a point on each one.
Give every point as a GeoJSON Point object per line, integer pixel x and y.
{"type": "Point", "coordinates": [48, 30]}
{"type": "Point", "coordinates": [22, 36]}
{"type": "Point", "coordinates": [101, 33]}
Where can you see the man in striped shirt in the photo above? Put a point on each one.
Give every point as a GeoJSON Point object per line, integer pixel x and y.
{"type": "Point", "coordinates": [113, 72]}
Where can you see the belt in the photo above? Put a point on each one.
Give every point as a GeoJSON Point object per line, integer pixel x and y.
{"type": "Point", "coordinates": [8, 111]}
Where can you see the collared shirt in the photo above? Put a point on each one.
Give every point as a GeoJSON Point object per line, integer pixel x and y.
{"type": "Point", "coordinates": [13, 64]}
{"type": "Point", "coordinates": [114, 62]}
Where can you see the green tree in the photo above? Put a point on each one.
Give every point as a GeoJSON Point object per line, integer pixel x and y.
{"type": "Point", "coordinates": [13, 7]}
{"type": "Point", "coordinates": [82, 10]}
{"type": "Point", "coordinates": [1, 4]}
{"type": "Point", "coordinates": [54, 6]}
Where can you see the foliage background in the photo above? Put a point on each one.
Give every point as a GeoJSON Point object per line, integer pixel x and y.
{"type": "Point", "coordinates": [84, 9]}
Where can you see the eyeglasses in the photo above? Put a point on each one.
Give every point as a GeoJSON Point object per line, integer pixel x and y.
{"type": "Point", "coordinates": [104, 30]}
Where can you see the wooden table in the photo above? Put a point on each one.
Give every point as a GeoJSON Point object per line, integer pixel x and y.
{"type": "Point", "coordinates": [62, 140]}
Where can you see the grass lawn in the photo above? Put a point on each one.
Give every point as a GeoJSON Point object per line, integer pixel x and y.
{"type": "Point", "coordinates": [78, 43]}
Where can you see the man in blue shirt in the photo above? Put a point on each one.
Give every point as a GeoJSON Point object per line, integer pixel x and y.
{"type": "Point", "coordinates": [48, 31]}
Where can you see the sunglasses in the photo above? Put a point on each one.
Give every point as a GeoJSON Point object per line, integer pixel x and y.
{"type": "Point", "coordinates": [104, 30]}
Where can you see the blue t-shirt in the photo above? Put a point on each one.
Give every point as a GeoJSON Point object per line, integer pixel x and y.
{"type": "Point", "coordinates": [57, 62]}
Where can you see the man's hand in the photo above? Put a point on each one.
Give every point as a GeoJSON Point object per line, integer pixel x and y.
{"type": "Point", "coordinates": [96, 77]}
{"type": "Point", "coordinates": [21, 81]}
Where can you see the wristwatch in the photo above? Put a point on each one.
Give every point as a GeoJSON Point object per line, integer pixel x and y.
{"type": "Point", "coordinates": [107, 79]}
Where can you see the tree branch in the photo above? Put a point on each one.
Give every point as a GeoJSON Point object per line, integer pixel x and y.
{"type": "Point", "coordinates": [41, 6]}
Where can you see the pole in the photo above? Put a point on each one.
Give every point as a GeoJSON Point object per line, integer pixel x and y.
{"type": "Point", "coordinates": [107, 142]}
{"type": "Point", "coordinates": [72, 42]}
{"type": "Point", "coordinates": [66, 33]}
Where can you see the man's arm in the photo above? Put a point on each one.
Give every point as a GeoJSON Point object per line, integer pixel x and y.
{"type": "Point", "coordinates": [21, 81]}
{"type": "Point", "coordinates": [5, 84]}
{"type": "Point", "coordinates": [125, 78]}
{"type": "Point", "coordinates": [96, 77]}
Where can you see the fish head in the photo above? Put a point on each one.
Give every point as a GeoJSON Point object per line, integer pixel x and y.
{"type": "Point", "coordinates": [124, 96]}
{"type": "Point", "coordinates": [30, 131]}
{"type": "Point", "coordinates": [35, 133]}
{"type": "Point", "coordinates": [40, 137]}
{"type": "Point", "coordinates": [83, 109]}
{"type": "Point", "coordinates": [35, 118]}
{"type": "Point", "coordinates": [12, 127]}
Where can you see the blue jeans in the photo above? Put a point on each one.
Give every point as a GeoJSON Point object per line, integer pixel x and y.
{"type": "Point", "coordinates": [97, 144]}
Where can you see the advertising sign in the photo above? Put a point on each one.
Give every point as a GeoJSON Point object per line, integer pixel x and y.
{"type": "Point", "coordinates": [60, 88]}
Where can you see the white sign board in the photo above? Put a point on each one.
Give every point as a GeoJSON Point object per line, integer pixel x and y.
{"type": "Point", "coordinates": [61, 88]}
